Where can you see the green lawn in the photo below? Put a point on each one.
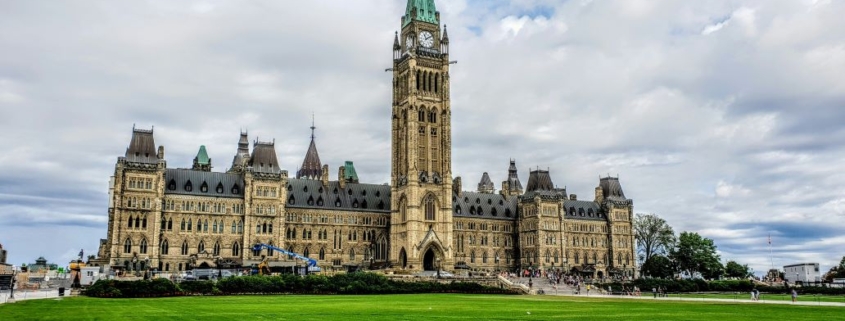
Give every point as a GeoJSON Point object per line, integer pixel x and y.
{"type": "Point", "coordinates": [404, 307]}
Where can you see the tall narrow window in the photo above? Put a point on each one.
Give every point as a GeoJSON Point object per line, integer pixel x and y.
{"type": "Point", "coordinates": [165, 247]}
{"type": "Point", "coordinates": [322, 254]}
{"type": "Point", "coordinates": [127, 246]}
{"type": "Point", "coordinates": [201, 247]}
{"type": "Point", "coordinates": [236, 249]}
{"type": "Point", "coordinates": [429, 208]}
{"type": "Point", "coordinates": [216, 249]}
{"type": "Point", "coordinates": [185, 248]}
{"type": "Point", "coordinates": [143, 246]}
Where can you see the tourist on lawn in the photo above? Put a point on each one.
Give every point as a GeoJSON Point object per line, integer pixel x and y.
{"type": "Point", "coordinates": [654, 292]}
{"type": "Point", "coordinates": [794, 295]}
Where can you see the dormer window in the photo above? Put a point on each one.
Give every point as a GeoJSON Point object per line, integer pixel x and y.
{"type": "Point", "coordinates": [171, 185]}
{"type": "Point", "coordinates": [291, 200]}
{"type": "Point", "coordinates": [219, 188]}
{"type": "Point", "coordinates": [189, 187]}
{"type": "Point", "coordinates": [236, 189]}
{"type": "Point", "coordinates": [204, 187]}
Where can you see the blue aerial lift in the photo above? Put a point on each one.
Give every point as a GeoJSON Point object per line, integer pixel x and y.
{"type": "Point", "coordinates": [311, 263]}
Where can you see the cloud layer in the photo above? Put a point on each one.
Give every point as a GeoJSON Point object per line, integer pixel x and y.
{"type": "Point", "coordinates": [724, 117]}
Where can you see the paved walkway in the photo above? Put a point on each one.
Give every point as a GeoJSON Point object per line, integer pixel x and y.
{"type": "Point", "coordinates": [540, 283]}
{"type": "Point", "coordinates": [30, 295]}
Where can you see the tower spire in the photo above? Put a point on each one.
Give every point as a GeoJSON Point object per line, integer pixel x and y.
{"type": "Point", "coordinates": [312, 126]}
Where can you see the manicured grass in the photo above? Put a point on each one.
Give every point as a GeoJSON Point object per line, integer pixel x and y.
{"type": "Point", "coordinates": [404, 307]}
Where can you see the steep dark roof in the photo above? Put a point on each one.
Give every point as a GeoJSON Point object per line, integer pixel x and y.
{"type": "Point", "coordinates": [306, 193]}
{"type": "Point", "coordinates": [611, 188]}
{"type": "Point", "coordinates": [539, 180]}
{"type": "Point", "coordinates": [513, 178]}
{"type": "Point", "coordinates": [484, 205]}
{"type": "Point", "coordinates": [583, 210]}
{"type": "Point", "coordinates": [142, 148]}
{"type": "Point", "coordinates": [485, 185]}
{"type": "Point", "coordinates": [263, 159]}
{"type": "Point", "coordinates": [217, 184]}
{"type": "Point", "coordinates": [311, 166]}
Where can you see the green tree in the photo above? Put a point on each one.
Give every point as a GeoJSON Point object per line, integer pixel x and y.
{"type": "Point", "coordinates": [836, 272]}
{"type": "Point", "coordinates": [654, 236]}
{"type": "Point", "coordinates": [735, 270]}
{"type": "Point", "coordinates": [695, 254]}
{"type": "Point", "coordinates": [658, 266]}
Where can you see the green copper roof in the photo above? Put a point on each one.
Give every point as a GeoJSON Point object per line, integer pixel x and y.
{"type": "Point", "coordinates": [425, 11]}
{"type": "Point", "coordinates": [349, 171]}
{"type": "Point", "coordinates": [202, 156]}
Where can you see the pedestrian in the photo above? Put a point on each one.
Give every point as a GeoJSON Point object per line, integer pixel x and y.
{"type": "Point", "coordinates": [754, 294]}
{"type": "Point", "coordinates": [794, 295]}
{"type": "Point", "coordinates": [654, 292]}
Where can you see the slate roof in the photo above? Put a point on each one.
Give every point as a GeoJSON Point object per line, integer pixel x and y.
{"type": "Point", "coordinates": [539, 180]}
{"type": "Point", "coordinates": [484, 205]}
{"type": "Point", "coordinates": [583, 210]}
{"type": "Point", "coordinates": [142, 148]}
{"type": "Point", "coordinates": [218, 184]}
{"type": "Point", "coordinates": [305, 193]}
{"type": "Point", "coordinates": [311, 165]}
{"type": "Point", "coordinates": [263, 159]}
{"type": "Point", "coordinates": [611, 188]}
{"type": "Point", "coordinates": [485, 185]}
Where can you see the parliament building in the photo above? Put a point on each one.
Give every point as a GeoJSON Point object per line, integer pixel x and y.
{"type": "Point", "coordinates": [176, 219]}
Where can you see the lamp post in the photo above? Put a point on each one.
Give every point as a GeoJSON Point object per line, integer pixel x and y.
{"type": "Point", "coordinates": [497, 263]}
{"type": "Point", "coordinates": [219, 268]}
{"type": "Point", "coordinates": [438, 267]}
{"type": "Point", "coordinates": [12, 286]}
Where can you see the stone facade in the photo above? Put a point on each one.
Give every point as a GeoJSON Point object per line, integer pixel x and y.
{"type": "Point", "coordinates": [177, 219]}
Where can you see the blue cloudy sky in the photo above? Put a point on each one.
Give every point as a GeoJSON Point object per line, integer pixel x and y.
{"type": "Point", "coordinates": [723, 117]}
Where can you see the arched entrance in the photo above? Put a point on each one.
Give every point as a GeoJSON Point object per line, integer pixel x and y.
{"type": "Point", "coordinates": [204, 265]}
{"type": "Point", "coordinates": [428, 260]}
{"type": "Point", "coordinates": [403, 258]}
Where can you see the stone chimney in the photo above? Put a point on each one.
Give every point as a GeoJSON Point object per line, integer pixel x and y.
{"type": "Point", "coordinates": [341, 177]}
{"type": "Point", "coordinates": [325, 175]}
{"type": "Point", "coordinates": [456, 186]}
{"type": "Point", "coordinates": [599, 194]}
{"type": "Point", "coordinates": [573, 197]}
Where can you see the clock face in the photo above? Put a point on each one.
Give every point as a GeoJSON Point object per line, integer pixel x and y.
{"type": "Point", "coordinates": [426, 39]}
{"type": "Point", "coordinates": [409, 42]}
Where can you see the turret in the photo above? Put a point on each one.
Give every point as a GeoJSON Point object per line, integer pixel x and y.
{"type": "Point", "coordinates": [202, 162]}
{"type": "Point", "coordinates": [242, 155]}
{"type": "Point", "coordinates": [485, 185]}
{"type": "Point", "coordinates": [311, 166]}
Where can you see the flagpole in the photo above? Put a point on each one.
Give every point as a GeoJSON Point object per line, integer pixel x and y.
{"type": "Point", "coordinates": [771, 258]}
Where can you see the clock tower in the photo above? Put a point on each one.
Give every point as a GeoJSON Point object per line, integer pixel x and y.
{"type": "Point", "coordinates": [421, 171]}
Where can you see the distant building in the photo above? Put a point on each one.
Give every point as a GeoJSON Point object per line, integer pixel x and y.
{"type": "Point", "coordinates": [802, 272]}
{"type": "Point", "coordinates": [41, 265]}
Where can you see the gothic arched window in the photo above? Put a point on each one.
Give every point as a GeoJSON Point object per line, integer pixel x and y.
{"type": "Point", "coordinates": [143, 246]}
{"type": "Point", "coordinates": [185, 248]}
{"type": "Point", "coordinates": [429, 208]}
{"type": "Point", "coordinates": [216, 249]}
{"type": "Point", "coordinates": [236, 249]}
{"type": "Point", "coordinates": [165, 247]}
{"type": "Point", "coordinates": [127, 246]}
{"type": "Point", "coordinates": [201, 247]}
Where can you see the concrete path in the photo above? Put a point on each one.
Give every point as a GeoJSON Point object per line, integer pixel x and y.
{"type": "Point", "coordinates": [30, 295]}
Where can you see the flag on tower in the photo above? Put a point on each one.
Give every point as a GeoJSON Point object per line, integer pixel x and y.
{"type": "Point", "coordinates": [770, 239]}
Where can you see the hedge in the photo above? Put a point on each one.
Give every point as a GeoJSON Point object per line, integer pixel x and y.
{"type": "Point", "coordinates": [351, 283]}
